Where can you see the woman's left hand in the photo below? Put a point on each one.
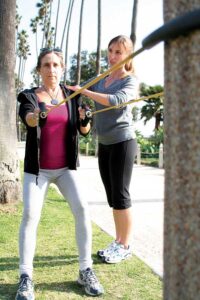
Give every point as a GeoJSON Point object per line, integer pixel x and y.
{"type": "Point", "coordinates": [81, 113]}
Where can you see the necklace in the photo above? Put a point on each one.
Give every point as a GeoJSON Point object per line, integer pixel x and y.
{"type": "Point", "coordinates": [54, 100]}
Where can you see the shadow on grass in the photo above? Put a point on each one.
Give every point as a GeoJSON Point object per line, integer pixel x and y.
{"type": "Point", "coordinates": [65, 287]}
{"type": "Point", "coordinates": [11, 263]}
{"type": "Point", "coordinates": [8, 291]}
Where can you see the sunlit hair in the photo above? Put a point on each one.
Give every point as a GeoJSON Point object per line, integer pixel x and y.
{"type": "Point", "coordinates": [128, 45]}
{"type": "Point", "coordinates": [45, 51]}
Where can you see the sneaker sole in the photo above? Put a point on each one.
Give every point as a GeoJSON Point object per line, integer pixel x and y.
{"type": "Point", "coordinates": [22, 298]}
{"type": "Point", "coordinates": [100, 254]}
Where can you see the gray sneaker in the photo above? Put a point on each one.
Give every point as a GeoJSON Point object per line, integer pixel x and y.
{"type": "Point", "coordinates": [26, 288]}
{"type": "Point", "coordinates": [88, 279]}
{"type": "Point", "coordinates": [107, 251]}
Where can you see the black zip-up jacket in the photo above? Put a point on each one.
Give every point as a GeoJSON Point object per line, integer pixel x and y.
{"type": "Point", "coordinates": [28, 102]}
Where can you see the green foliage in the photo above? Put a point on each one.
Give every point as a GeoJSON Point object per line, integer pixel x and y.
{"type": "Point", "coordinates": [22, 52]}
{"type": "Point", "coordinates": [23, 48]}
{"type": "Point", "coordinates": [88, 69]}
{"type": "Point", "coordinates": [154, 106]}
{"type": "Point", "coordinates": [149, 147]}
{"type": "Point", "coordinates": [87, 141]}
{"type": "Point", "coordinates": [88, 65]}
{"type": "Point", "coordinates": [146, 145]}
{"type": "Point", "coordinates": [158, 137]}
{"type": "Point", "coordinates": [135, 113]}
{"type": "Point", "coordinates": [17, 19]}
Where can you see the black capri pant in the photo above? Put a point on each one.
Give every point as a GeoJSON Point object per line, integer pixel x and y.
{"type": "Point", "coordinates": [116, 165]}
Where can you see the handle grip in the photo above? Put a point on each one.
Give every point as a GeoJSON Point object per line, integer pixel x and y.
{"type": "Point", "coordinates": [174, 28]}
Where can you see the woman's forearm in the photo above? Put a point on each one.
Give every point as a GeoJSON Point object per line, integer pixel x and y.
{"type": "Point", "coordinates": [85, 129]}
{"type": "Point", "coordinates": [97, 97]}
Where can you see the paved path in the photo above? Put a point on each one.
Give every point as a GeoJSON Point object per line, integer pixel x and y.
{"type": "Point", "coordinates": [147, 190]}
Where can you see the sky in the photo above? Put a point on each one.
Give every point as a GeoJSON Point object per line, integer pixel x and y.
{"type": "Point", "coordinates": [116, 19]}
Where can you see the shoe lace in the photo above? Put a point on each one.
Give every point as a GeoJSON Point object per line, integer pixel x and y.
{"type": "Point", "coordinates": [91, 277]}
{"type": "Point", "coordinates": [24, 283]}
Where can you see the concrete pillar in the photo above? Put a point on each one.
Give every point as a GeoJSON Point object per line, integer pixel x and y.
{"type": "Point", "coordinates": [182, 160]}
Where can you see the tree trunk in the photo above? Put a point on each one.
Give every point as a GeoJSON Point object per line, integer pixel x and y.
{"type": "Point", "coordinates": [56, 27]}
{"type": "Point", "coordinates": [9, 164]}
{"type": "Point", "coordinates": [66, 21]}
{"type": "Point", "coordinates": [98, 60]}
{"type": "Point", "coordinates": [78, 74]}
{"type": "Point", "coordinates": [67, 39]}
{"type": "Point", "coordinates": [182, 160]}
{"type": "Point", "coordinates": [133, 23]}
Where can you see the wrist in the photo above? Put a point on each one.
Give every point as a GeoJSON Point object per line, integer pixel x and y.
{"type": "Point", "coordinates": [31, 119]}
{"type": "Point", "coordinates": [84, 122]}
{"type": "Point", "coordinates": [85, 92]}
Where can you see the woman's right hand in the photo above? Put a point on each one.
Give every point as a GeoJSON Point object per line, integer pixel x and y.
{"type": "Point", "coordinates": [32, 118]}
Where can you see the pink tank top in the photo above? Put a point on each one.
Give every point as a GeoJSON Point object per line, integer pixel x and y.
{"type": "Point", "coordinates": [53, 141]}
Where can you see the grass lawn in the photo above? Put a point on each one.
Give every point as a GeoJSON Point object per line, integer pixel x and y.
{"type": "Point", "coordinates": [56, 261]}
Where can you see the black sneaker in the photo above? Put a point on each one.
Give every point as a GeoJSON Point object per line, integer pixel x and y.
{"type": "Point", "coordinates": [88, 279]}
{"type": "Point", "coordinates": [26, 288]}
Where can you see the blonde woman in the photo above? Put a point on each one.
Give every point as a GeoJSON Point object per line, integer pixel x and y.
{"type": "Point", "coordinates": [117, 143]}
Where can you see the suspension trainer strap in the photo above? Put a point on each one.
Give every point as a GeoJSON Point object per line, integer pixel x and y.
{"type": "Point", "coordinates": [181, 25]}
{"type": "Point", "coordinates": [95, 80]}
{"type": "Point", "coordinates": [157, 95]}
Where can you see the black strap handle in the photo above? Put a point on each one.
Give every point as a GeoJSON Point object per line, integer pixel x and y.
{"type": "Point", "coordinates": [174, 28]}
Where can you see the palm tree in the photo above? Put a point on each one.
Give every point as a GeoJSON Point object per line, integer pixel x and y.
{"type": "Point", "coordinates": [67, 39]}
{"type": "Point", "coordinates": [66, 22]}
{"type": "Point", "coordinates": [154, 106]}
{"type": "Point", "coordinates": [34, 26]}
{"type": "Point", "coordinates": [133, 23]}
{"type": "Point", "coordinates": [98, 60]}
{"type": "Point", "coordinates": [9, 164]}
{"type": "Point", "coordinates": [23, 50]}
{"type": "Point", "coordinates": [49, 29]}
{"type": "Point", "coordinates": [43, 19]}
{"type": "Point", "coordinates": [17, 22]}
{"type": "Point", "coordinates": [56, 27]}
{"type": "Point", "coordinates": [44, 15]}
{"type": "Point", "coordinates": [78, 75]}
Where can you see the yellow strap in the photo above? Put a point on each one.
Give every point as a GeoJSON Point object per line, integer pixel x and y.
{"type": "Point", "coordinates": [157, 95]}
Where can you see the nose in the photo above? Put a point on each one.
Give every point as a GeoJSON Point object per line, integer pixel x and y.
{"type": "Point", "coordinates": [51, 68]}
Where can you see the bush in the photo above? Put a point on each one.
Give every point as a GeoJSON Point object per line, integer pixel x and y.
{"type": "Point", "coordinates": [87, 140]}
{"type": "Point", "coordinates": [149, 147]}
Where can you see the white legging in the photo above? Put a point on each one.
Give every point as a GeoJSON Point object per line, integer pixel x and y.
{"type": "Point", "coordinates": [33, 198]}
